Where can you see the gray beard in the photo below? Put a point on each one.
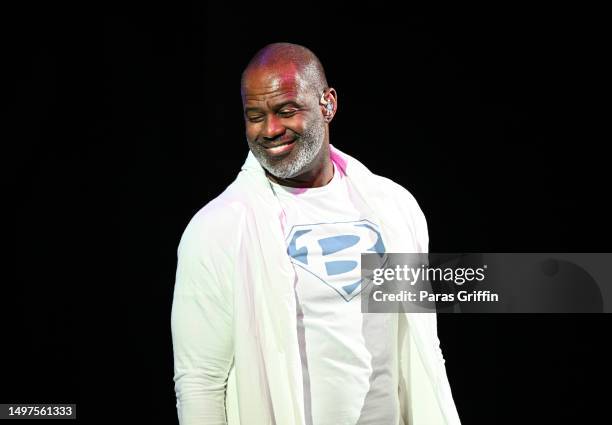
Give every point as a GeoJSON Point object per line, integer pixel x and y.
{"type": "Point", "coordinates": [307, 147]}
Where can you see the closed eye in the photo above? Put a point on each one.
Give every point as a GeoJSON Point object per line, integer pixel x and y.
{"type": "Point", "coordinates": [255, 118]}
{"type": "Point", "coordinates": [287, 113]}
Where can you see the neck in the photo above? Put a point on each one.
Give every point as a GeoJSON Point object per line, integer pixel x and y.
{"type": "Point", "coordinates": [319, 174]}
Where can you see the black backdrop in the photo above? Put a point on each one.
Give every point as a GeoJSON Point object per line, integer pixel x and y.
{"type": "Point", "coordinates": [127, 120]}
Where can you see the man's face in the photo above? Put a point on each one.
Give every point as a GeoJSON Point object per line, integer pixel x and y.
{"type": "Point", "coordinates": [285, 129]}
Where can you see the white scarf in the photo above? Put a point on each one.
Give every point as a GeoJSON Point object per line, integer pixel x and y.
{"type": "Point", "coordinates": [266, 380]}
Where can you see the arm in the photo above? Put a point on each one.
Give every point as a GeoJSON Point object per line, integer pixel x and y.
{"type": "Point", "coordinates": [433, 404]}
{"type": "Point", "coordinates": [201, 322]}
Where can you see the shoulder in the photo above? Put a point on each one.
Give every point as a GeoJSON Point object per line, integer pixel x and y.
{"type": "Point", "coordinates": [409, 209]}
{"type": "Point", "coordinates": [214, 230]}
{"type": "Point", "coordinates": [399, 194]}
{"type": "Point", "coordinates": [391, 199]}
{"type": "Point", "coordinates": [376, 184]}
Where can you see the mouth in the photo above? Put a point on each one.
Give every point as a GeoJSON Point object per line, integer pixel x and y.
{"type": "Point", "coordinates": [280, 148]}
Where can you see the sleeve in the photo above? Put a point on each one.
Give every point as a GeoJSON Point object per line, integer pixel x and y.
{"type": "Point", "coordinates": [447, 412]}
{"type": "Point", "coordinates": [412, 212]}
{"type": "Point", "coordinates": [419, 224]}
{"type": "Point", "coordinates": [433, 403]}
{"type": "Point", "coordinates": [201, 322]}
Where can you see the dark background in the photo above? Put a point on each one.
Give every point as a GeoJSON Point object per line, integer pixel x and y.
{"type": "Point", "coordinates": [126, 119]}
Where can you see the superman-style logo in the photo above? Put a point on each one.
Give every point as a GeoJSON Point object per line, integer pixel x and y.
{"type": "Point", "coordinates": [332, 252]}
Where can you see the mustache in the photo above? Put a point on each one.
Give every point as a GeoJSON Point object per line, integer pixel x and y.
{"type": "Point", "coordinates": [277, 141]}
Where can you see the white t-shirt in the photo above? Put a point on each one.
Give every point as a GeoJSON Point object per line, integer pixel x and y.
{"type": "Point", "coordinates": [349, 359]}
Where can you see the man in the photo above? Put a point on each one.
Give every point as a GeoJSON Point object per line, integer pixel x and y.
{"type": "Point", "coordinates": [266, 319]}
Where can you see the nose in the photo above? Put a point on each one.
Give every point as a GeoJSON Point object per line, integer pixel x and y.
{"type": "Point", "coordinates": [273, 128]}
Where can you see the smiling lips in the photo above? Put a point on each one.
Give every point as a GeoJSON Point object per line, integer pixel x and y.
{"type": "Point", "coordinates": [280, 148]}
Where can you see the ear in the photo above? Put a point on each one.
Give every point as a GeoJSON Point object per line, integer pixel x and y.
{"type": "Point", "coordinates": [329, 104]}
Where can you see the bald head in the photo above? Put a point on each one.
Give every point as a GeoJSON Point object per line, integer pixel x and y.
{"type": "Point", "coordinates": [286, 55]}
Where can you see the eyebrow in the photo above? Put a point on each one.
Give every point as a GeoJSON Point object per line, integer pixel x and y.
{"type": "Point", "coordinates": [274, 107]}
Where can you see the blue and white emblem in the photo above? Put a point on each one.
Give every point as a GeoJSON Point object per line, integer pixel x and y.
{"type": "Point", "coordinates": [332, 252]}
